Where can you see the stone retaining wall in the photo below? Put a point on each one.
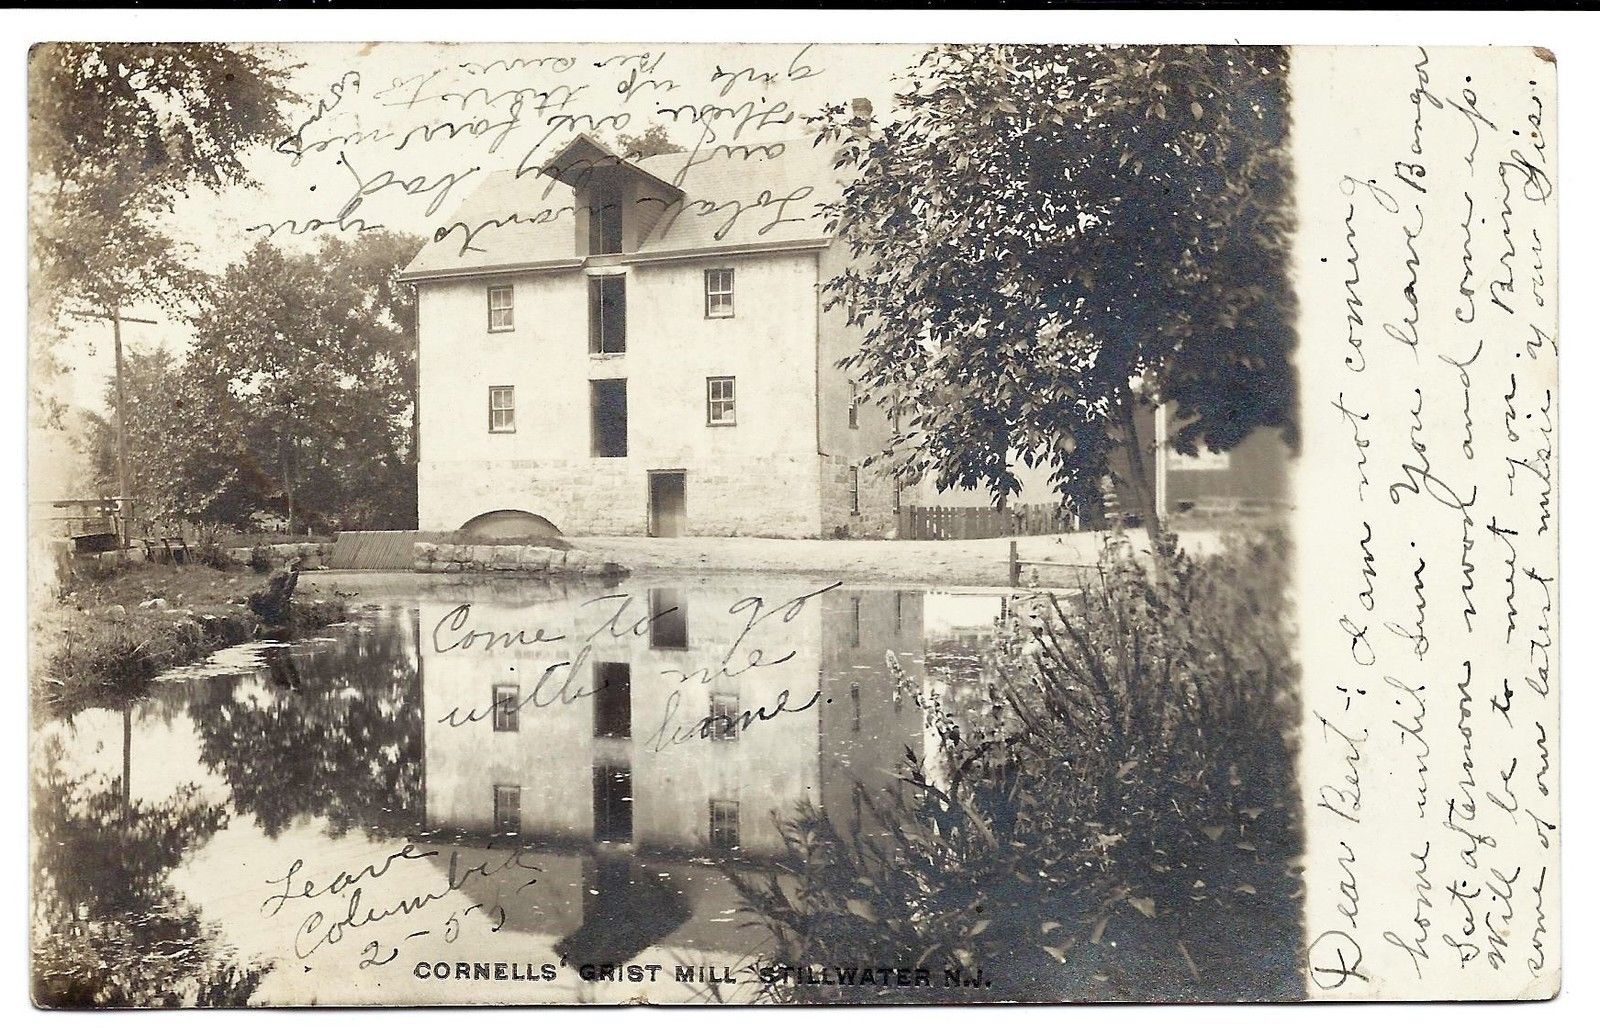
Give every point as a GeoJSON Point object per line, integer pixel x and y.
{"type": "Point", "coordinates": [312, 556]}
{"type": "Point", "coordinates": [541, 561]}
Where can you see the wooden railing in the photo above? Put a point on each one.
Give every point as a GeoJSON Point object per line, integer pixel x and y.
{"type": "Point", "coordinates": [101, 523]}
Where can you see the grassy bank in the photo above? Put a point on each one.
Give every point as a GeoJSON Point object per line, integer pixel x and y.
{"type": "Point", "coordinates": [106, 638]}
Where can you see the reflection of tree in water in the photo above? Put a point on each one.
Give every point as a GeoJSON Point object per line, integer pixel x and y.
{"type": "Point", "coordinates": [335, 732]}
{"type": "Point", "coordinates": [108, 927]}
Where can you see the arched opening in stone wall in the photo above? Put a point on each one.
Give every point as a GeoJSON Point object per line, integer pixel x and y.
{"type": "Point", "coordinates": [509, 524]}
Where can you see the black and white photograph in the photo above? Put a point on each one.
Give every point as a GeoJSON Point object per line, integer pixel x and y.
{"type": "Point", "coordinates": [785, 523]}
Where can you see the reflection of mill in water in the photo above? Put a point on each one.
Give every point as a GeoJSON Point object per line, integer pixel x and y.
{"type": "Point", "coordinates": [626, 824]}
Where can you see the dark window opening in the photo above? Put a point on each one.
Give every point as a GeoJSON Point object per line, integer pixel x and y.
{"type": "Point", "coordinates": [613, 803]}
{"type": "Point", "coordinates": [613, 699]}
{"type": "Point", "coordinates": [669, 619]}
{"type": "Point", "coordinates": [608, 315]}
{"type": "Point", "coordinates": [605, 222]}
{"type": "Point", "coordinates": [507, 809]}
{"type": "Point", "coordinates": [608, 417]}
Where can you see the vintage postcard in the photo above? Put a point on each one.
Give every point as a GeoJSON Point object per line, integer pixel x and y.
{"type": "Point", "coordinates": [778, 523]}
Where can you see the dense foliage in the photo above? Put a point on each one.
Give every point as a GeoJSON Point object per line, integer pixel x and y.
{"type": "Point", "coordinates": [296, 399]}
{"type": "Point", "coordinates": [1111, 811]}
{"type": "Point", "coordinates": [1048, 237]}
{"type": "Point", "coordinates": [335, 732]}
{"type": "Point", "coordinates": [647, 143]}
{"type": "Point", "coordinates": [108, 928]}
{"type": "Point", "coordinates": [118, 132]}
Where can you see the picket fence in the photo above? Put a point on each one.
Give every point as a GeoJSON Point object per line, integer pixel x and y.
{"type": "Point", "coordinates": [983, 522]}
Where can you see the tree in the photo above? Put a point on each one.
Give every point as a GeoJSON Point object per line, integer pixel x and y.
{"type": "Point", "coordinates": [187, 448]}
{"type": "Point", "coordinates": [316, 355]}
{"type": "Point", "coordinates": [335, 733]}
{"type": "Point", "coordinates": [653, 141]}
{"type": "Point", "coordinates": [117, 133]}
{"type": "Point", "coordinates": [109, 928]}
{"type": "Point", "coordinates": [1050, 237]}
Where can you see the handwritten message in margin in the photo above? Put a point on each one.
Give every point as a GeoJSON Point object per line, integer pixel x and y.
{"type": "Point", "coordinates": [1426, 521]}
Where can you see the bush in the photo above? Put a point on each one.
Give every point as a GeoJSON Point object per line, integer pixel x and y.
{"type": "Point", "coordinates": [1111, 813]}
{"type": "Point", "coordinates": [260, 559]}
{"type": "Point", "coordinates": [207, 548]}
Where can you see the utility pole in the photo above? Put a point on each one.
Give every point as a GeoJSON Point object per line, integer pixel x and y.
{"type": "Point", "coordinates": [124, 487]}
{"type": "Point", "coordinates": [127, 762]}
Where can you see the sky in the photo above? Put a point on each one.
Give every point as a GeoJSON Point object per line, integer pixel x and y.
{"type": "Point", "coordinates": [397, 135]}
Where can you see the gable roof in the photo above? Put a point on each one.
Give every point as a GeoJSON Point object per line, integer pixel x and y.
{"type": "Point", "coordinates": [719, 199]}
{"type": "Point", "coordinates": [584, 155]}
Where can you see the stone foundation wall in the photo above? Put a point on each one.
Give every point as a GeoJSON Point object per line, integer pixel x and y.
{"type": "Point", "coordinates": [726, 495]}
{"type": "Point", "coordinates": [874, 518]}
{"type": "Point", "coordinates": [486, 558]}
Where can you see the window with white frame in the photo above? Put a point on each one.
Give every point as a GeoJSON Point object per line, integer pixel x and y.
{"type": "Point", "coordinates": [855, 490]}
{"type": "Point", "coordinates": [507, 809]}
{"type": "Point", "coordinates": [507, 706]}
{"type": "Point", "coordinates": [719, 294]}
{"type": "Point", "coordinates": [725, 825]}
{"type": "Point", "coordinates": [724, 721]}
{"type": "Point", "coordinates": [500, 308]}
{"type": "Point", "coordinates": [719, 401]}
{"type": "Point", "coordinates": [502, 409]}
